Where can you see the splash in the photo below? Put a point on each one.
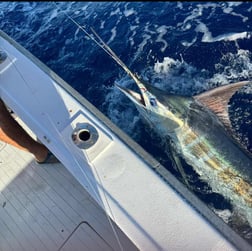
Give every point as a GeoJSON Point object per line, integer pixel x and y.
{"type": "Point", "coordinates": [233, 67]}
{"type": "Point", "coordinates": [177, 76]}
{"type": "Point", "coordinates": [120, 111]}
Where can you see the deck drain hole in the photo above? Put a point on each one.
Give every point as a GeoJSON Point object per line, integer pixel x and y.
{"type": "Point", "coordinates": [84, 135]}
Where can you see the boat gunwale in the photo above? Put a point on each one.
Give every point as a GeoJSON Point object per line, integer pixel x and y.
{"type": "Point", "coordinates": [214, 220]}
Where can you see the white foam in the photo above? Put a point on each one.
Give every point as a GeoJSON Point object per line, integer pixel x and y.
{"type": "Point", "coordinates": [129, 12]}
{"type": "Point", "coordinates": [102, 25]}
{"type": "Point", "coordinates": [146, 39]}
{"type": "Point", "coordinates": [233, 67]}
{"type": "Point", "coordinates": [117, 11]}
{"type": "Point", "coordinates": [165, 66]}
{"type": "Point", "coordinates": [187, 44]}
{"type": "Point", "coordinates": [131, 38]}
{"type": "Point", "coordinates": [162, 30]}
{"type": "Point", "coordinates": [196, 12]}
{"type": "Point", "coordinates": [54, 14]}
{"type": "Point", "coordinates": [137, 20]}
{"type": "Point", "coordinates": [177, 76]}
{"type": "Point", "coordinates": [208, 38]}
{"type": "Point", "coordinates": [232, 36]}
{"type": "Point", "coordinates": [84, 8]}
{"type": "Point", "coordinates": [27, 6]}
{"type": "Point", "coordinates": [195, 16]}
{"type": "Point", "coordinates": [117, 102]}
{"type": "Point", "coordinates": [180, 5]}
{"type": "Point", "coordinates": [207, 35]}
{"type": "Point", "coordinates": [187, 27]}
{"type": "Point", "coordinates": [76, 32]}
{"type": "Point", "coordinates": [229, 10]}
{"type": "Point", "coordinates": [113, 31]}
{"type": "Point", "coordinates": [223, 214]}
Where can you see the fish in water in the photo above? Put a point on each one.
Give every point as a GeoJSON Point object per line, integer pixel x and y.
{"type": "Point", "coordinates": [200, 131]}
{"type": "Point", "coordinates": [197, 128]}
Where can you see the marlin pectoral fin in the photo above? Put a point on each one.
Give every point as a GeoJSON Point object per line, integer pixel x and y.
{"type": "Point", "coordinates": [218, 98]}
{"type": "Point", "coordinates": [176, 162]}
{"type": "Point", "coordinates": [180, 168]}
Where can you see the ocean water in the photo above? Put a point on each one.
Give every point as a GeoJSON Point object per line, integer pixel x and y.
{"type": "Point", "coordinates": [181, 47]}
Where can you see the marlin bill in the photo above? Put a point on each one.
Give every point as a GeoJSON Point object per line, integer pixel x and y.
{"type": "Point", "coordinates": [199, 130]}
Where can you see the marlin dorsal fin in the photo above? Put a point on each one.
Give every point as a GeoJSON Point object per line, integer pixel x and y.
{"type": "Point", "coordinates": [218, 98]}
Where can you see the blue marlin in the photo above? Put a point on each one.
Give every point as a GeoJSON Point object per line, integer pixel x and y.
{"type": "Point", "coordinates": [199, 130]}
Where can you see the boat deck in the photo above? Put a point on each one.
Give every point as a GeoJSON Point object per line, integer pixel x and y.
{"type": "Point", "coordinates": [43, 207]}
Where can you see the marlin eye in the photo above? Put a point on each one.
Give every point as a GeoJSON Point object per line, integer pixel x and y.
{"type": "Point", "coordinates": [153, 102]}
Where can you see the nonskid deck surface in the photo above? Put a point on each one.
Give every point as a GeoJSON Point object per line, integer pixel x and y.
{"type": "Point", "coordinates": [43, 207]}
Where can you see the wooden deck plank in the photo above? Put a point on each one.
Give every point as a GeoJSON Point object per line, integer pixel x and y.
{"type": "Point", "coordinates": [43, 204]}
{"type": "Point", "coordinates": [41, 200]}
{"type": "Point", "coordinates": [14, 223]}
{"type": "Point", "coordinates": [33, 222]}
{"type": "Point", "coordinates": [31, 210]}
{"type": "Point", "coordinates": [7, 239]}
{"type": "Point", "coordinates": [74, 194]}
{"type": "Point", "coordinates": [27, 227]}
{"type": "Point", "coordinates": [84, 206]}
{"type": "Point", "coordinates": [86, 211]}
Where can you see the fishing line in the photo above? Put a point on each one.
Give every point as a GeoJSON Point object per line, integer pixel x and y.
{"type": "Point", "coordinates": [53, 125]}
{"type": "Point", "coordinates": [101, 44]}
{"type": "Point", "coordinates": [49, 119]}
{"type": "Point", "coordinates": [90, 183]}
{"type": "Point", "coordinates": [111, 53]}
{"type": "Point", "coordinates": [68, 146]}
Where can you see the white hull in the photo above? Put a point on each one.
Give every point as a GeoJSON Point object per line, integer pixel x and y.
{"type": "Point", "coordinates": [115, 171]}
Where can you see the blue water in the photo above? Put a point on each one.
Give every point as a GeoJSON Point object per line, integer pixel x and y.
{"type": "Point", "coordinates": [180, 47]}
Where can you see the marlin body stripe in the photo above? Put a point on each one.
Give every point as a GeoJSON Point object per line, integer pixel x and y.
{"type": "Point", "coordinates": [209, 163]}
{"type": "Point", "coordinates": [203, 138]}
{"type": "Point", "coordinates": [200, 131]}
